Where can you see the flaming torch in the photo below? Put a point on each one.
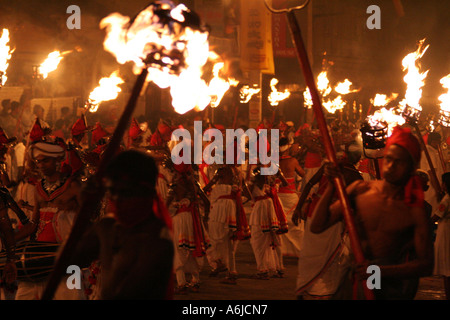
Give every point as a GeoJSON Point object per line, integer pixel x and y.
{"type": "Point", "coordinates": [276, 96]}
{"type": "Point", "coordinates": [51, 63]}
{"type": "Point", "coordinates": [321, 123]}
{"type": "Point", "coordinates": [5, 56]}
{"type": "Point", "coordinates": [163, 42]}
{"type": "Point", "coordinates": [444, 111]}
{"type": "Point", "coordinates": [415, 81]}
{"type": "Point", "coordinates": [375, 130]}
{"type": "Point", "coordinates": [107, 90]}
{"type": "Point", "coordinates": [411, 103]}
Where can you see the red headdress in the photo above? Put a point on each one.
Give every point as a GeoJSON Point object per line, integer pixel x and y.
{"type": "Point", "coordinates": [37, 132]}
{"type": "Point", "coordinates": [404, 138]}
{"type": "Point", "coordinates": [98, 133]}
{"type": "Point", "coordinates": [135, 131]}
{"type": "Point", "coordinates": [80, 126]}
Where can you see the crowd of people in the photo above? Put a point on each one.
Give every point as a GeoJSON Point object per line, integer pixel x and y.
{"type": "Point", "coordinates": [159, 224]}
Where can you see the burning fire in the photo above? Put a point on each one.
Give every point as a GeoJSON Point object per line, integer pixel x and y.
{"type": "Point", "coordinates": [414, 78]}
{"type": "Point", "coordinates": [247, 92]}
{"type": "Point", "coordinates": [276, 96]}
{"type": "Point", "coordinates": [445, 98]}
{"type": "Point", "coordinates": [5, 56]}
{"type": "Point", "coordinates": [217, 86]}
{"type": "Point", "coordinates": [382, 100]}
{"type": "Point", "coordinates": [385, 117]}
{"type": "Point", "coordinates": [51, 63]}
{"type": "Point", "coordinates": [344, 87]}
{"type": "Point", "coordinates": [169, 41]}
{"type": "Point", "coordinates": [324, 88]}
{"type": "Point", "coordinates": [107, 90]}
{"type": "Point", "coordinates": [333, 105]}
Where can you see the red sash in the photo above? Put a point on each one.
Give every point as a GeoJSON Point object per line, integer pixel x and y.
{"type": "Point", "coordinates": [243, 229]}
{"type": "Point", "coordinates": [45, 232]}
{"type": "Point", "coordinates": [200, 169]}
{"type": "Point", "coordinates": [290, 188]}
{"type": "Point", "coordinates": [279, 211]}
{"type": "Point", "coordinates": [201, 243]}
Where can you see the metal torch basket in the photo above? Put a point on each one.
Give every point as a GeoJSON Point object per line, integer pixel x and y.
{"type": "Point", "coordinates": [373, 138]}
{"type": "Point", "coordinates": [444, 118]}
{"type": "Point", "coordinates": [411, 114]}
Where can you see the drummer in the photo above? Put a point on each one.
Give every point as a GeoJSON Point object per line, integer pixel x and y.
{"type": "Point", "coordinates": [56, 204]}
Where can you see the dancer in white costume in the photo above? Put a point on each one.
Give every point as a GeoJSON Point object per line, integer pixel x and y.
{"type": "Point", "coordinates": [442, 242]}
{"type": "Point", "coordinates": [291, 241]}
{"type": "Point", "coordinates": [189, 235]}
{"type": "Point", "coordinates": [227, 223]}
{"type": "Point", "coordinates": [264, 225]}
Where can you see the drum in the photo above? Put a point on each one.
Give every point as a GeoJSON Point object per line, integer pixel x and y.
{"type": "Point", "coordinates": [34, 260]}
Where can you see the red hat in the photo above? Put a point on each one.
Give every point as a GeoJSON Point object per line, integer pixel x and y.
{"type": "Point", "coordinates": [165, 130]}
{"type": "Point", "coordinates": [80, 126]}
{"type": "Point", "coordinates": [98, 133]}
{"type": "Point", "coordinates": [404, 138]}
{"type": "Point", "coordinates": [36, 132]}
{"type": "Point", "coordinates": [135, 131]}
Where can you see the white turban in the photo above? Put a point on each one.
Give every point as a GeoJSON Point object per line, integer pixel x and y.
{"type": "Point", "coordinates": [47, 149]}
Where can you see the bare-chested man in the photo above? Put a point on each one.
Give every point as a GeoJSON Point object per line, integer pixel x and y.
{"type": "Point", "coordinates": [57, 201]}
{"type": "Point", "coordinates": [133, 242]}
{"type": "Point", "coordinates": [389, 216]}
{"type": "Point", "coordinates": [287, 193]}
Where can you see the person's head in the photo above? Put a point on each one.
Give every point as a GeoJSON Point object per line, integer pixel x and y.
{"type": "Point", "coordinates": [65, 111]}
{"type": "Point", "coordinates": [15, 107]}
{"type": "Point", "coordinates": [130, 180]}
{"type": "Point", "coordinates": [434, 139]}
{"type": "Point", "coordinates": [401, 157]}
{"type": "Point", "coordinates": [284, 145]}
{"type": "Point", "coordinates": [38, 111]}
{"type": "Point", "coordinates": [47, 157]}
{"type": "Point", "coordinates": [446, 181]}
{"type": "Point", "coordinates": [6, 105]}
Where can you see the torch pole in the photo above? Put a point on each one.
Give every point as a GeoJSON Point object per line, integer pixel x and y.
{"type": "Point", "coordinates": [329, 148]}
{"type": "Point", "coordinates": [92, 200]}
{"type": "Point", "coordinates": [377, 168]}
{"type": "Point", "coordinates": [433, 177]}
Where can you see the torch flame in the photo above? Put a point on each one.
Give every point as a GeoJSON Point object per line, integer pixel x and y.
{"type": "Point", "coordinates": [5, 56]}
{"type": "Point", "coordinates": [276, 96]}
{"type": "Point", "coordinates": [333, 105]}
{"type": "Point", "coordinates": [51, 63]}
{"type": "Point", "coordinates": [160, 40]}
{"type": "Point", "coordinates": [217, 86]}
{"type": "Point", "coordinates": [381, 100]}
{"type": "Point", "coordinates": [387, 117]}
{"type": "Point", "coordinates": [247, 92]}
{"type": "Point", "coordinates": [445, 98]}
{"type": "Point", "coordinates": [414, 78]}
{"type": "Point", "coordinates": [344, 87]}
{"type": "Point", "coordinates": [107, 90]}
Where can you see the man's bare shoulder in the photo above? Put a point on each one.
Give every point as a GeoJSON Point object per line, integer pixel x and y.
{"type": "Point", "coordinates": [359, 187]}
